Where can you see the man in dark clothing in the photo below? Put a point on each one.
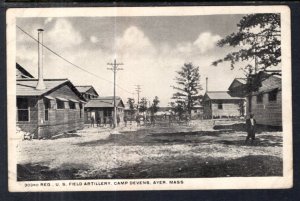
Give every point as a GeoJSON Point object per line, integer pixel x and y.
{"type": "Point", "coordinates": [125, 120]}
{"type": "Point", "coordinates": [98, 121]}
{"type": "Point", "coordinates": [251, 128]}
{"type": "Point", "coordinates": [152, 120]}
{"type": "Point", "coordinates": [92, 121]}
{"type": "Point", "coordinates": [118, 120]}
{"type": "Point", "coordinates": [104, 121]}
{"type": "Point", "coordinates": [137, 119]}
{"type": "Point", "coordinates": [111, 121]}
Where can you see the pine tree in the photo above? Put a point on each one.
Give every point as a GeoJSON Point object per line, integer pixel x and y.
{"type": "Point", "coordinates": [258, 39]}
{"type": "Point", "coordinates": [188, 87]}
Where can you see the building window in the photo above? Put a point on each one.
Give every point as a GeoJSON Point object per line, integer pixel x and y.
{"type": "Point", "coordinates": [60, 104]}
{"type": "Point", "coordinates": [220, 106]}
{"type": "Point", "coordinates": [195, 111]}
{"type": "Point", "coordinates": [273, 95]}
{"type": "Point", "coordinates": [47, 107]}
{"type": "Point", "coordinates": [259, 98]}
{"type": "Point", "coordinates": [23, 109]}
{"type": "Point", "coordinates": [72, 105]}
{"type": "Point", "coordinates": [107, 113]}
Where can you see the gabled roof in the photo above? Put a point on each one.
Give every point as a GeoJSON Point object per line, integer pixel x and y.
{"type": "Point", "coordinates": [237, 82]}
{"type": "Point", "coordinates": [219, 95]}
{"type": "Point", "coordinates": [241, 80]}
{"type": "Point", "coordinates": [85, 88]}
{"type": "Point", "coordinates": [269, 84]}
{"type": "Point", "coordinates": [27, 87]}
{"type": "Point", "coordinates": [107, 101]}
{"type": "Point", "coordinates": [23, 71]}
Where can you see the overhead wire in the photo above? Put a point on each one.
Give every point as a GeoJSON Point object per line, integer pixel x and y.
{"type": "Point", "coordinates": [66, 60]}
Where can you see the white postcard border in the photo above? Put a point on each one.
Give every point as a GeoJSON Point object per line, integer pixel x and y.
{"type": "Point", "coordinates": [286, 181]}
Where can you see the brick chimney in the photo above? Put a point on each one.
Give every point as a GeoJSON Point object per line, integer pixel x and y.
{"type": "Point", "coordinates": [40, 85]}
{"type": "Point", "coordinates": [206, 85]}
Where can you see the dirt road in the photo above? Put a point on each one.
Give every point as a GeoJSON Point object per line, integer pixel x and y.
{"type": "Point", "coordinates": [152, 152]}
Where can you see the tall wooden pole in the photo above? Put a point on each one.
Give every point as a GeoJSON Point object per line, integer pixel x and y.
{"type": "Point", "coordinates": [115, 68]}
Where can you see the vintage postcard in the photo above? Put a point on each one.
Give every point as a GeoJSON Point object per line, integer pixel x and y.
{"type": "Point", "coordinates": [149, 98]}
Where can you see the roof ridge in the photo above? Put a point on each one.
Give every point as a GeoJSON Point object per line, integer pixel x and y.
{"type": "Point", "coordinates": [215, 91]}
{"type": "Point", "coordinates": [36, 79]}
{"type": "Point", "coordinates": [105, 97]}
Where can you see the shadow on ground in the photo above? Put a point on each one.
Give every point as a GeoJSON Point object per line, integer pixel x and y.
{"type": "Point", "coordinates": [146, 138]}
{"type": "Point", "coordinates": [65, 135]}
{"type": "Point", "coordinates": [38, 172]}
{"type": "Point", "coordinates": [242, 128]}
{"type": "Point", "coordinates": [247, 166]}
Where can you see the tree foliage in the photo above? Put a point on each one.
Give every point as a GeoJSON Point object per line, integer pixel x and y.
{"type": "Point", "coordinates": [154, 106]}
{"type": "Point", "coordinates": [187, 89]}
{"type": "Point", "coordinates": [143, 105]}
{"type": "Point", "coordinates": [258, 38]}
{"type": "Point", "coordinates": [130, 102]}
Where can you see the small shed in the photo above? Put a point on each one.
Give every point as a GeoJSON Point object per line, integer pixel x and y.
{"type": "Point", "coordinates": [220, 104]}
{"type": "Point", "coordinates": [57, 108]}
{"type": "Point", "coordinates": [103, 107]}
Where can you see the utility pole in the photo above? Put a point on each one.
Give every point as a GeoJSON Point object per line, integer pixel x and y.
{"type": "Point", "coordinates": [115, 68]}
{"type": "Point", "coordinates": [138, 90]}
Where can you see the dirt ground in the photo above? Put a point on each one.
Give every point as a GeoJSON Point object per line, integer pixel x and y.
{"type": "Point", "coordinates": [200, 149]}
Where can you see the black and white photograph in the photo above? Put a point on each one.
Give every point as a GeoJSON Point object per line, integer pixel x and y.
{"type": "Point", "coordinates": [145, 98]}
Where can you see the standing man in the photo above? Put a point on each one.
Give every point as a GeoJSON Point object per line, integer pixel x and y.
{"type": "Point", "coordinates": [98, 121]}
{"type": "Point", "coordinates": [137, 119]}
{"type": "Point", "coordinates": [92, 121]}
{"type": "Point", "coordinates": [104, 121]}
{"type": "Point", "coordinates": [118, 120]}
{"type": "Point", "coordinates": [125, 120]}
{"type": "Point", "coordinates": [111, 121]}
{"type": "Point", "coordinates": [251, 128]}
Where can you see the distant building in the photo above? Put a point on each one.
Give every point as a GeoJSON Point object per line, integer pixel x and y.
{"type": "Point", "coordinates": [197, 112]}
{"type": "Point", "coordinates": [87, 91]}
{"type": "Point", "coordinates": [103, 107]}
{"type": "Point", "coordinates": [164, 111]}
{"type": "Point", "coordinates": [130, 113]}
{"type": "Point", "coordinates": [22, 72]}
{"type": "Point", "coordinates": [57, 108]}
{"type": "Point", "coordinates": [220, 104]}
{"type": "Point", "coordinates": [238, 87]}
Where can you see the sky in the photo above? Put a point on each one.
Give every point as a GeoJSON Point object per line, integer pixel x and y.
{"type": "Point", "coordinates": [152, 49]}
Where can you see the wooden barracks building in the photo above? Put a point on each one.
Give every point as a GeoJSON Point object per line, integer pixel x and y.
{"type": "Point", "coordinates": [57, 108]}
{"type": "Point", "coordinates": [46, 107]}
{"type": "Point", "coordinates": [266, 102]}
{"type": "Point", "coordinates": [87, 91]}
{"type": "Point", "coordinates": [103, 107]}
{"type": "Point", "coordinates": [220, 104]}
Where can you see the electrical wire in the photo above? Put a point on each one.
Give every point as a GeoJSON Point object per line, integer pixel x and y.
{"type": "Point", "coordinates": [66, 60]}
